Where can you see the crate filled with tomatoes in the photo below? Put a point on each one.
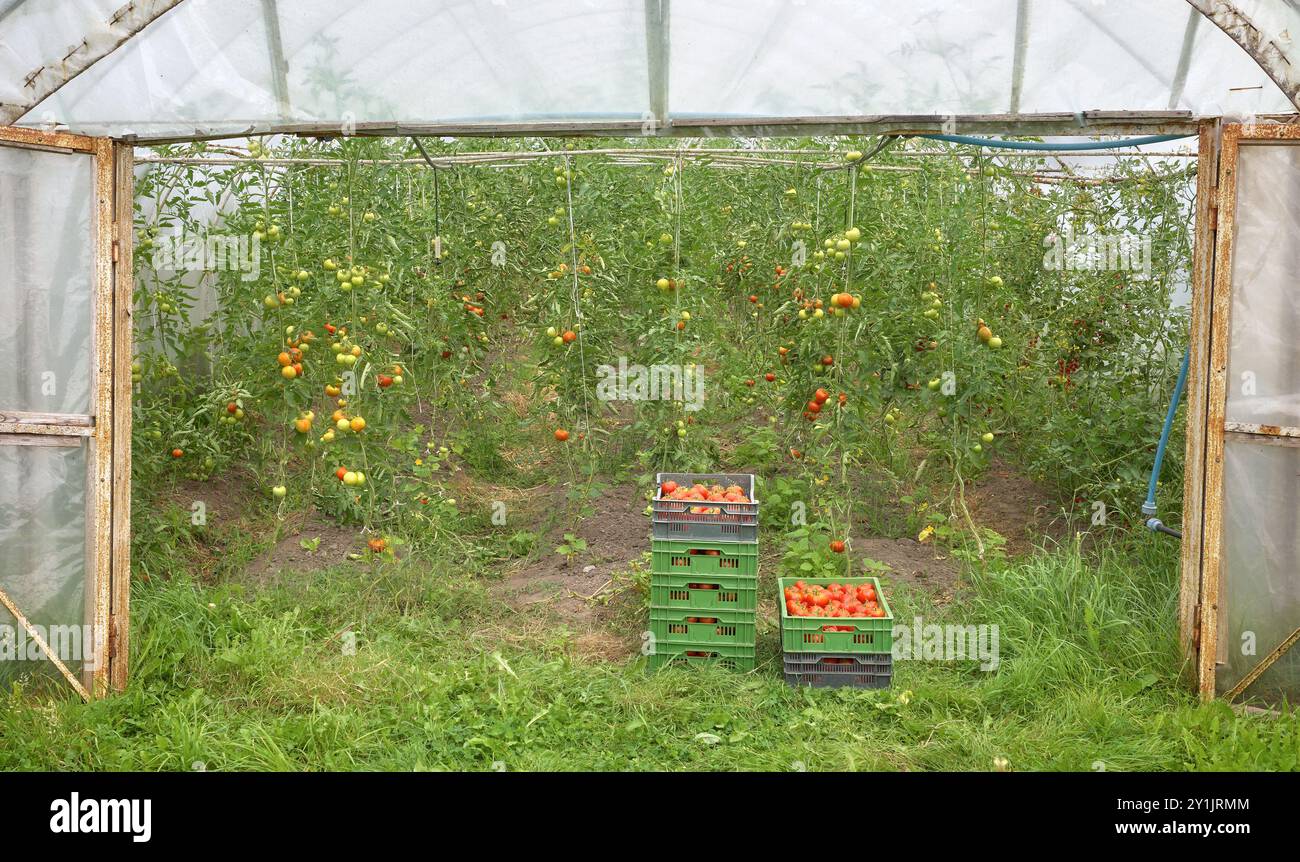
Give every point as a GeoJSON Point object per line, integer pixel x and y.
{"type": "Point", "coordinates": [718, 507]}
{"type": "Point", "coordinates": [704, 570]}
{"type": "Point", "coordinates": [836, 631]}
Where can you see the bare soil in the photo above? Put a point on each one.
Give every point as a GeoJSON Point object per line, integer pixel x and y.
{"type": "Point", "coordinates": [1020, 509]}
{"type": "Point", "coordinates": [921, 566]}
{"type": "Point", "coordinates": [585, 594]}
{"type": "Point", "coordinates": [329, 545]}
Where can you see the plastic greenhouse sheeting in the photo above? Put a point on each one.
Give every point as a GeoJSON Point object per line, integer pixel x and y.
{"type": "Point", "coordinates": [208, 67]}
{"type": "Point", "coordinates": [1259, 605]}
{"type": "Point", "coordinates": [1264, 352]}
{"type": "Point", "coordinates": [45, 281]}
{"type": "Point", "coordinates": [1260, 602]}
{"type": "Point", "coordinates": [43, 546]}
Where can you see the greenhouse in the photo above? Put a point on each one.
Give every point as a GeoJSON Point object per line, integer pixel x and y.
{"type": "Point", "coordinates": [365, 345]}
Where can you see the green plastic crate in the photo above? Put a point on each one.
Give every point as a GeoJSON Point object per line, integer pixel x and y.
{"type": "Point", "coordinates": [704, 592]}
{"type": "Point", "coordinates": [676, 557]}
{"type": "Point", "coordinates": [730, 656]}
{"type": "Point", "coordinates": [809, 634]}
{"type": "Point", "coordinates": [673, 626]}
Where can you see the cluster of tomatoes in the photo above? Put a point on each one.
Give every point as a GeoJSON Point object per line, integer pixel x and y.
{"type": "Point", "coordinates": [836, 600]}
{"type": "Point", "coordinates": [986, 335]}
{"type": "Point", "coordinates": [290, 362]}
{"type": "Point", "coordinates": [812, 410]}
{"type": "Point", "coordinates": [741, 264]}
{"type": "Point", "coordinates": [560, 339]}
{"type": "Point", "coordinates": [562, 269]}
{"type": "Point", "coordinates": [703, 493]}
{"type": "Point", "coordinates": [351, 478]}
{"type": "Point", "coordinates": [1065, 369]}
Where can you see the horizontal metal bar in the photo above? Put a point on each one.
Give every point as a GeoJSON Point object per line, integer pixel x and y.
{"type": "Point", "coordinates": [46, 430]}
{"type": "Point", "coordinates": [1085, 123]}
{"type": "Point", "coordinates": [13, 439]}
{"type": "Point", "coordinates": [55, 142]}
{"type": "Point", "coordinates": [1264, 430]}
{"type": "Point", "coordinates": [28, 418]}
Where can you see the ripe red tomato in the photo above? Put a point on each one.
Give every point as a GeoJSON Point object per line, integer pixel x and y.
{"type": "Point", "coordinates": [561, 435]}
{"type": "Point", "coordinates": [769, 377]}
{"type": "Point", "coordinates": [668, 487]}
{"type": "Point", "coordinates": [837, 546]}
{"type": "Point", "coordinates": [820, 396]}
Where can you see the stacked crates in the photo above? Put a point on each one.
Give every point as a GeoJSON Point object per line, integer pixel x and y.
{"type": "Point", "coordinates": [837, 651]}
{"type": "Point", "coordinates": [704, 575]}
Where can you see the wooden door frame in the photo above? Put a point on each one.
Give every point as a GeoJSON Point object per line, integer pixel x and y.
{"type": "Point", "coordinates": [108, 425]}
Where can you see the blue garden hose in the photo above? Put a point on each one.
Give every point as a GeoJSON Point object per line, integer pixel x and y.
{"type": "Point", "coordinates": [1149, 507]}
{"type": "Point", "coordinates": [998, 143]}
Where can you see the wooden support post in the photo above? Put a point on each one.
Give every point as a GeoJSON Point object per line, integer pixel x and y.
{"type": "Point", "coordinates": [1197, 382]}
{"type": "Point", "coordinates": [123, 354]}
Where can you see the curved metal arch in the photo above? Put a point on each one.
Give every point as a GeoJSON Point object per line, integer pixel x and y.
{"type": "Point", "coordinates": [48, 79]}
{"type": "Point", "coordinates": [1232, 20]}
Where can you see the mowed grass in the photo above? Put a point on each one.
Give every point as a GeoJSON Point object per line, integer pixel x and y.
{"type": "Point", "coordinates": [228, 680]}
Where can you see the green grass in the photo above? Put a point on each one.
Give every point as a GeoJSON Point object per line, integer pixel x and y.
{"type": "Point", "coordinates": [224, 680]}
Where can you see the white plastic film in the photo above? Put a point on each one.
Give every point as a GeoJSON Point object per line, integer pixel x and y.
{"type": "Point", "coordinates": [43, 552]}
{"type": "Point", "coordinates": [1264, 355]}
{"type": "Point", "coordinates": [211, 67]}
{"type": "Point", "coordinates": [1260, 601]}
{"type": "Point", "coordinates": [46, 275]}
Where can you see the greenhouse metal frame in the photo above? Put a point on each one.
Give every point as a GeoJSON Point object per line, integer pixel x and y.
{"type": "Point", "coordinates": [94, 82]}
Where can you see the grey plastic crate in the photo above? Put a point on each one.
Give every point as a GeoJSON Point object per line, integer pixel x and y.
{"type": "Point", "coordinates": [841, 680]}
{"type": "Point", "coordinates": [836, 670]}
{"type": "Point", "coordinates": [717, 522]}
{"type": "Point", "coordinates": [842, 663]}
